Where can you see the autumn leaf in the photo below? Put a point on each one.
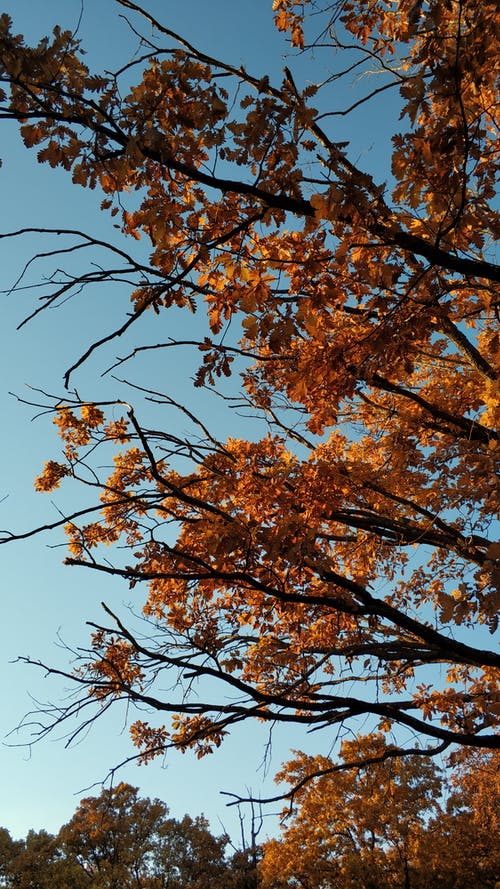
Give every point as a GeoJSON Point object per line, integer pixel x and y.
{"type": "Point", "coordinates": [339, 563]}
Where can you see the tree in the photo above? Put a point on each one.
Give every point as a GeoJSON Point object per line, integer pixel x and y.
{"type": "Point", "coordinates": [119, 840]}
{"type": "Point", "coordinates": [459, 848]}
{"type": "Point", "coordinates": [353, 828]}
{"type": "Point", "coordinates": [353, 545]}
{"type": "Point", "coordinates": [244, 864]}
{"type": "Point", "coordinates": [37, 862]}
{"type": "Point", "coordinates": [392, 822]}
{"type": "Point", "coordinates": [190, 857]}
{"type": "Point", "coordinates": [113, 837]}
{"type": "Point", "coordinates": [9, 848]}
{"type": "Point", "coordinates": [123, 841]}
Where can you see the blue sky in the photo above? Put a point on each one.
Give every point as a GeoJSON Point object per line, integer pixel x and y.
{"type": "Point", "coordinates": [40, 598]}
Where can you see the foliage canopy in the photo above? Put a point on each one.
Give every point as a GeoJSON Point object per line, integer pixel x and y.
{"type": "Point", "coordinates": [119, 840]}
{"type": "Point", "coordinates": [387, 825]}
{"type": "Point", "coordinates": [343, 565]}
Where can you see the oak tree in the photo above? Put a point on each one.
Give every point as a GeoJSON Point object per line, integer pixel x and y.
{"type": "Point", "coordinates": [122, 840]}
{"type": "Point", "coordinates": [356, 827]}
{"type": "Point", "coordinates": [388, 821]}
{"type": "Point", "coordinates": [342, 562]}
{"type": "Point", "coordinates": [114, 837]}
{"type": "Point", "coordinates": [459, 847]}
{"type": "Point", "coordinates": [190, 856]}
{"type": "Point", "coordinates": [9, 849]}
{"type": "Point", "coordinates": [119, 840]}
{"type": "Point", "coordinates": [37, 862]}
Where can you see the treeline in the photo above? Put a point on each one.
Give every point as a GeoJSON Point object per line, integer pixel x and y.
{"type": "Point", "coordinates": [119, 840]}
{"type": "Point", "coordinates": [399, 823]}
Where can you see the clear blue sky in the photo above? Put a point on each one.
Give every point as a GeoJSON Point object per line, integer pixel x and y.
{"type": "Point", "coordinates": [39, 597]}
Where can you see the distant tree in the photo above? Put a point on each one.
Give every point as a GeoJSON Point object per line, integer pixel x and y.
{"type": "Point", "coordinates": [9, 849]}
{"type": "Point", "coordinates": [38, 862]}
{"type": "Point", "coordinates": [119, 840]}
{"type": "Point", "coordinates": [352, 828]}
{"type": "Point", "coordinates": [460, 847]}
{"type": "Point", "coordinates": [387, 824]}
{"type": "Point", "coordinates": [188, 856]}
{"type": "Point", "coordinates": [114, 837]}
{"type": "Point", "coordinates": [381, 824]}
{"type": "Point", "coordinates": [123, 841]}
{"type": "Point", "coordinates": [243, 870]}
{"type": "Point", "coordinates": [243, 866]}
